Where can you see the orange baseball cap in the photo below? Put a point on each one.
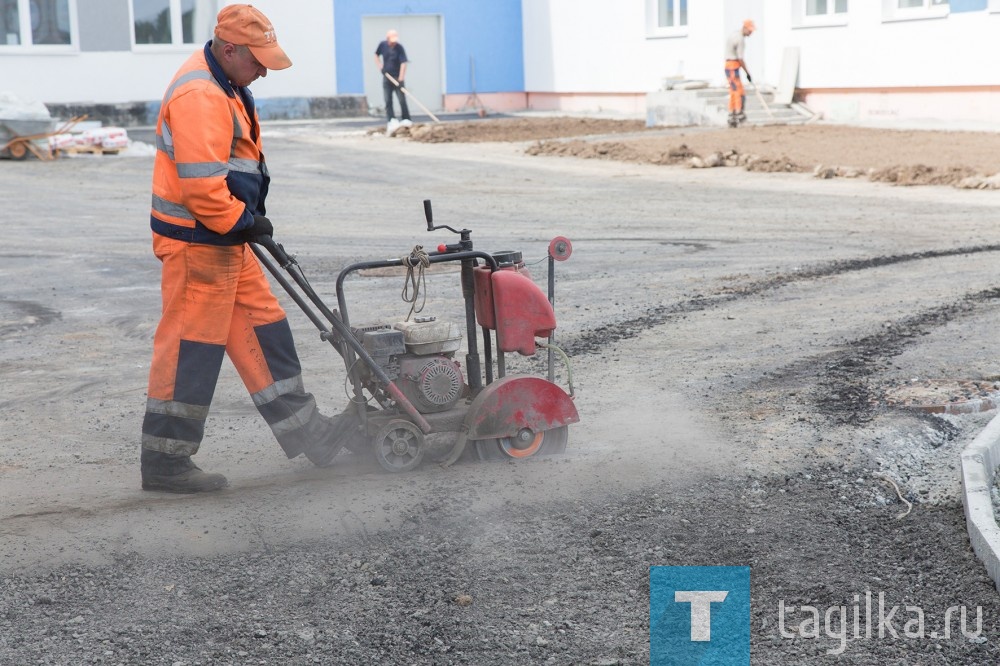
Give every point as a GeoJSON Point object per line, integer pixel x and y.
{"type": "Point", "coordinates": [748, 25]}
{"type": "Point", "coordinates": [246, 26]}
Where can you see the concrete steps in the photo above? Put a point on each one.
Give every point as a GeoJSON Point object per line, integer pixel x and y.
{"type": "Point", "coordinates": [709, 107]}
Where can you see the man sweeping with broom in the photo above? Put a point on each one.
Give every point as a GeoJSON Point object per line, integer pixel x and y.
{"type": "Point", "coordinates": [734, 61]}
{"type": "Point", "coordinates": [390, 58]}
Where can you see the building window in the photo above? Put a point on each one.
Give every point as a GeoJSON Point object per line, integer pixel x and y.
{"type": "Point", "coordinates": [825, 7]}
{"type": "Point", "coordinates": [906, 10]}
{"type": "Point", "coordinates": [666, 18]}
{"type": "Point", "coordinates": [671, 13]}
{"type": "Point", "coordinates": [819, 13]}
{"type": "Point", "coordinates": [171, 21]}
{"type": "Point", "coordinates": [35, 22]}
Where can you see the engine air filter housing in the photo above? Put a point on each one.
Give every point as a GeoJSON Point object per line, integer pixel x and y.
{"type": "Point", "coordinates": [428, 335]}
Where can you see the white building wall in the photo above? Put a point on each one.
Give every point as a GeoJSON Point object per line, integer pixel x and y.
{"type": "Point", "coordinates": [597, 54]}
{"type": "Point", "coordinates": [305, 32]}
{"type": "Point", "coordinates": [956, 50]}
{"type": "Point", "coordinates": [884, 70]}
{"type": "Point", "coordinates": [598, 46]}
{"type": "Point", "coordinates": [588, 47]}
{"type": "Point", "coordinates": [873, 65]}
{"type": "Point", "coordinates": [593, 47]}
{"type": "Point", "coordinates": [54, 76]}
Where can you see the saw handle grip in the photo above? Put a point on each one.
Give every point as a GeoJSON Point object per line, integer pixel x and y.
{"type": "Point", "coordinates": [466, 243]}
{"type": "Point", "coordinates": [276, 250]}
{"type": "Point", "coordinates": [428, 215]}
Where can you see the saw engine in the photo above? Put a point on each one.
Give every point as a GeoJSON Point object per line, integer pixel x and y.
{"type": "Point", "coordinates": [418, 356]}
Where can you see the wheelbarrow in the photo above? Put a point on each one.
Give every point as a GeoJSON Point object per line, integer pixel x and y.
{"type": "Point", "coordinates": [19, 137]}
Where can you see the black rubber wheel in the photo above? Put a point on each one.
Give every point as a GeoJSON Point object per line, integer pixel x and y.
{"type": "Point", "coordinates": [547, 442]}
{"type": "Point", "coordinates": [399, 446]}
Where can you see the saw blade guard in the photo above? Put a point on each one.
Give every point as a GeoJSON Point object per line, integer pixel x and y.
{"type": "Point", "coordinates": [517, 403]}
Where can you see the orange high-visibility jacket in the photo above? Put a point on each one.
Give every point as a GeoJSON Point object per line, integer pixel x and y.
{"type": "Point", "coordinates": [209, 177]}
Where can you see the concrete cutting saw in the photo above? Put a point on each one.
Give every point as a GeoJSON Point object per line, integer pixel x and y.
{"type": "Point", "coordinates": [411, 398]}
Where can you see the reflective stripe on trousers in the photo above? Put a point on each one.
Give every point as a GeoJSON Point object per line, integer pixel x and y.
{"type": "Point", "coordinates": [217, 302]}
{"type": "Point", "coordinates": [737, 96]}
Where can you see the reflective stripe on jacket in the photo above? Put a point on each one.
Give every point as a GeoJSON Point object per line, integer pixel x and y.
{"type": "Point", "coordinates": [209, 176]}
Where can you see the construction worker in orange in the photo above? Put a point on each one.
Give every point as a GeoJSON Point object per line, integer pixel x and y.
{"type": "Point", "coordinates": [735, 45]}
{"type": "Point", "coordinates": [210, 180]}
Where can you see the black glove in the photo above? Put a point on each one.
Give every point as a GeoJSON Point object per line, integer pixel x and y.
{"type": "Point", "coordinates": [749, 78]}
{"type": "Point", "coordinates": [400, 84]}
{"type": "Point", "coordinates": [261, 227]}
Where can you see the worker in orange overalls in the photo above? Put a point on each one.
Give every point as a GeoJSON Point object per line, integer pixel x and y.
{"type": "Point", "coordinates": [734, 61]}
{"type": "Point", "coordinates": [209, 185]}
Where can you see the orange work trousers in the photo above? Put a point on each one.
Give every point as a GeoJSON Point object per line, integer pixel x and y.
{"type": "Point", "coordinates": [217, 302]}
{"type": "Point", "coordinates": [737, 96]}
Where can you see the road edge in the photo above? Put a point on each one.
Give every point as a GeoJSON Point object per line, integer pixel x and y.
{"type": "Point", "coordinates": [979, 463]}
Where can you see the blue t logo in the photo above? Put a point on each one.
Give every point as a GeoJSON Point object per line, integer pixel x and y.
{"type": "Point", "coordinates": [701, 610]}
{"type": "Point", "coordinates": [699, 615]}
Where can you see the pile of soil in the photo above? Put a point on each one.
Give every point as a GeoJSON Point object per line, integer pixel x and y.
{"type": "Point", "coordinates": [899, 157]}
{"type": "Point", "coordinates": [518, 129]}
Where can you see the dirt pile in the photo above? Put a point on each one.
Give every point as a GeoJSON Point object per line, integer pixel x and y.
{"type": "Point", "coordinates": [619, 151]}
{"type": "Point", "coordinates": [900, 174]}
{"type": "Point", "coordinates": [920, 174]}
{"type": "Point", "coordinates": [969, 160]}
{"type": "Point", "coordinates": [518, 129]}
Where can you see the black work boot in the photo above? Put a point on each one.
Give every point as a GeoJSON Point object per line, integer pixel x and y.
{"type": "Point", "coordinates": [176, 474]}
{"type": "Point", "coordinates": [330, 435]}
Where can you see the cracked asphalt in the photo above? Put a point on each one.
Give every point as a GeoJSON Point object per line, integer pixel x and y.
{"type": "Point", "coordinates": [732, 337]}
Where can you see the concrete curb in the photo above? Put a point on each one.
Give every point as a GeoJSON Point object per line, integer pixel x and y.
{"type": "Point", "coordinates": [979, 464]}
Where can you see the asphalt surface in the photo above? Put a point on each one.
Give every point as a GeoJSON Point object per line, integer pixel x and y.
{"type": "Point", "coordinates": [730, 334]}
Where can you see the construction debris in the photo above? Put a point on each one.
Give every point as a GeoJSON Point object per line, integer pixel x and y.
{"type": "Point", "coordinates": [97, 141]}
{"type": "Point", "coordinates": [26, 129]}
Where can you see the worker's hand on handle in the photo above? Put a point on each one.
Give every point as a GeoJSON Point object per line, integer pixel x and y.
{"type": "Point", "coordinates": [261, 227]}
{"type": "Point", "coordinates": [749, 78]}
{"type": "Point", "coordinates": [261, 234]}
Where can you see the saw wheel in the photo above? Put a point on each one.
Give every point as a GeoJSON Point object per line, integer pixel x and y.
{"type": "Point", "coordinates": [526, 444]}
{"type": "Point", "coordinates": [399, 446]}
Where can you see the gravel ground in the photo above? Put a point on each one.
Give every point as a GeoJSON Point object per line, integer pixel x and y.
{"type": "Point", "coordinates": [735, 410]}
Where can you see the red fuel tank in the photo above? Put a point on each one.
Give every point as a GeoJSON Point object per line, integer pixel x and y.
{"type": "Point", "coordinates": [523, 313]}
{"type": "Point", "coordinates": [508, 261]}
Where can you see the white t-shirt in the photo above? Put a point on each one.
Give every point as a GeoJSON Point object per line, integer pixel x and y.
{"type": "Point", "coordinates": [734, 45]}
